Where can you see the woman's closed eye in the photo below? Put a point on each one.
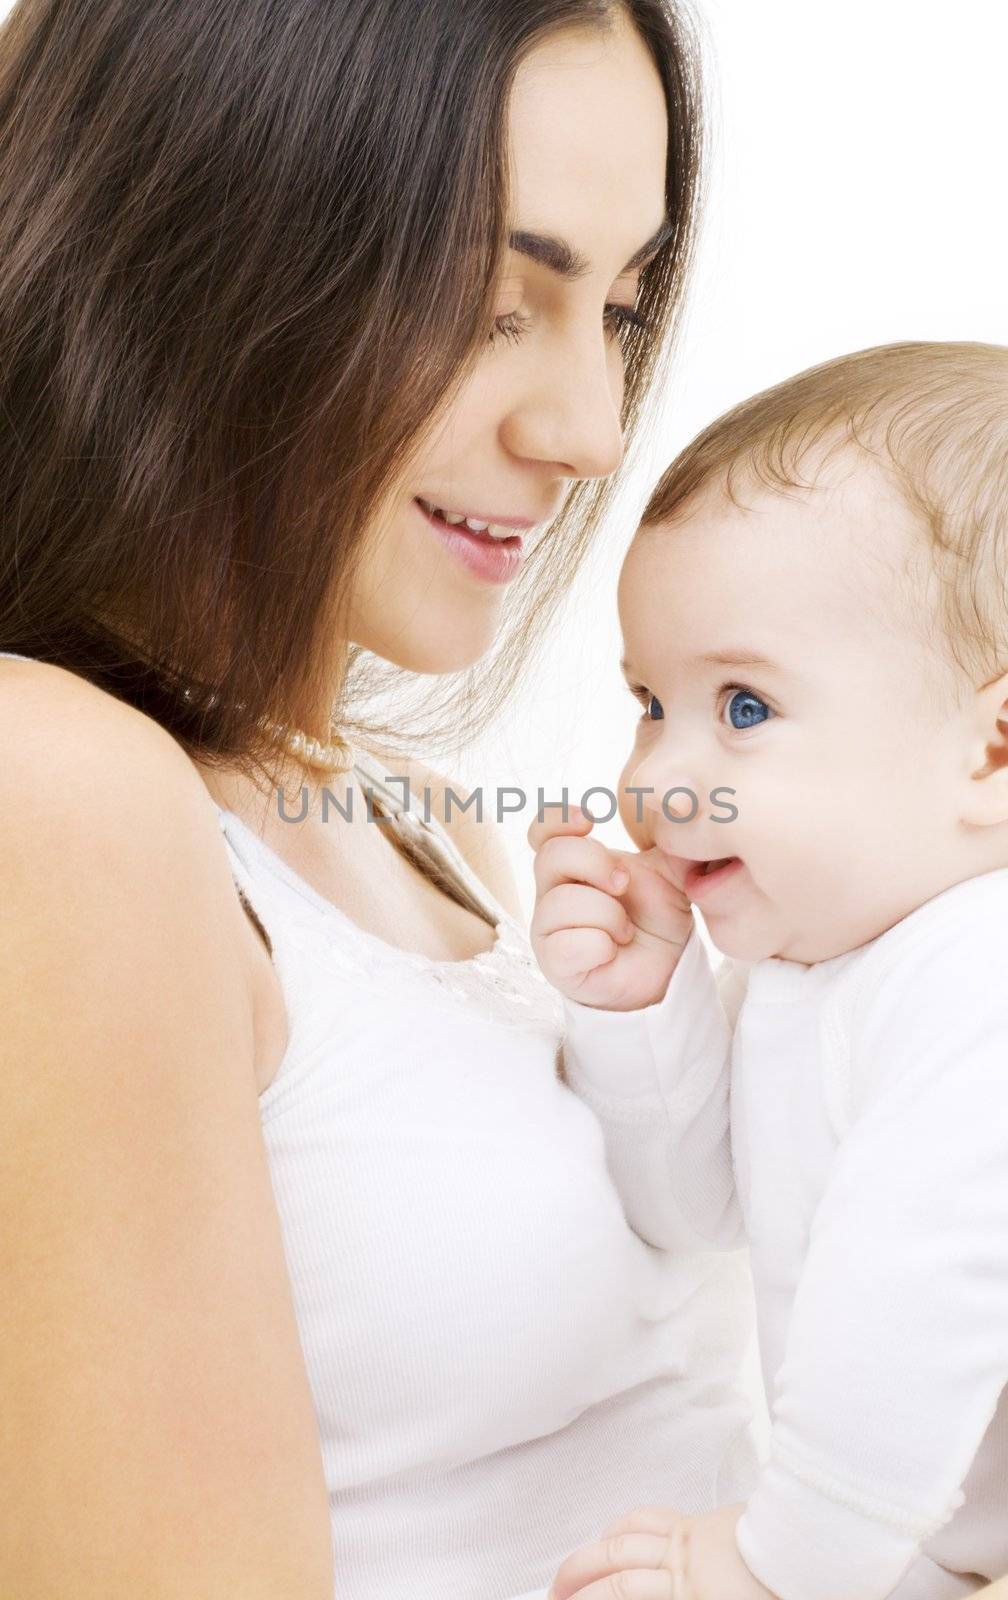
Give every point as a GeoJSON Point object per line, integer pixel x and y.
{"type": "Point", "coordinates": [618, 318]}
{"type": "Point", "coordinates": [745, 708]}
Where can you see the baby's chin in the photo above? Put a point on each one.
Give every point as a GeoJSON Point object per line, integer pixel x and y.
{"type": "Point", "coordinates": [737, 945]}
{"type": "Point", "coordinates": [750, 923]}
{"type": "Point", "coordinates": [740, 937]}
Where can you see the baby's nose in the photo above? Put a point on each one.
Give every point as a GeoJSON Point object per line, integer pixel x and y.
{"type": "Point", "coordinates": [676, 801]}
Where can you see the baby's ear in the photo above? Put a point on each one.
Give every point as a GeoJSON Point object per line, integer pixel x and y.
{"type": "Point", "coordinates": [987, 802]}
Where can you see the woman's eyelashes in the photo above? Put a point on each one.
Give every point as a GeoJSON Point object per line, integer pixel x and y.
{"type": "Point", "coordinates": [618, 318]}
{"type": "Point", "coordinates": [745, 708]}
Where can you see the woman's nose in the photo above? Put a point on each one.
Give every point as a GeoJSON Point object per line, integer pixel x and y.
{"type": "Point", "coordinates": [569, 414]}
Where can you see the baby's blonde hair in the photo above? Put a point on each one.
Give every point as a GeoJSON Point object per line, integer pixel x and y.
{"type": "Point", "coordinates": [936, 416]}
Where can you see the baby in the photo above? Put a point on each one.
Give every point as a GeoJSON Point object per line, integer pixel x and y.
{"type": "Point", "coordinates": [815, 621]}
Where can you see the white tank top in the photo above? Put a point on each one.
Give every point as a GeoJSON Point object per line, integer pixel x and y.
{"type": "Point", "coordinates": [499, 1365]}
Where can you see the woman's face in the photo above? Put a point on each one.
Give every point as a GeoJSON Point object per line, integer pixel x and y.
{"type": "Point", "coordinates": [541, 407]}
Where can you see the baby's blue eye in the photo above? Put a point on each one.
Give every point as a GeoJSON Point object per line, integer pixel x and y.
{"type": "Point", "coordinates": [655, 715]}
{"type": "Point", "coordinates": [747, 710]}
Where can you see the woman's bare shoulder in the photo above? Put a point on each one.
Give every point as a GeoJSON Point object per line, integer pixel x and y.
{"type": "Point", "coordinates": [148, 1330]}
{"type": "Point", "coordinates": [91, 783]}
{"type": "Point", "coordinates": [70, 740]}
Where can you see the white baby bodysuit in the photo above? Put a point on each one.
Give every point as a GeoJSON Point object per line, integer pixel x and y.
{"type": "Point", "coordinates": [854, 1128]}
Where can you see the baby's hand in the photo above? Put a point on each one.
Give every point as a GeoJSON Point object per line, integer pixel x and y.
{"type": "Point", "coordinates": [657, 1552]}
{"type": "Point", "coordinates": [602, 942]}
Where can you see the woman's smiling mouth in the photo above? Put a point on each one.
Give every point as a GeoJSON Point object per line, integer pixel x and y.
{"type": "Point", "coordinates": [492, 552]}
{"type": "Point", "coordinates": [495, 527]}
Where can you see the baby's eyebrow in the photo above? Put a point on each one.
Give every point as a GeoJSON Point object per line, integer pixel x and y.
{"type": "Point", "coordinates": [738, 657]}
{"type": "Point", "coordinates": [741, 656]}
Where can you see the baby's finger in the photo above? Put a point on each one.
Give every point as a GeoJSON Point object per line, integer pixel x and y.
{"type": "Point", "coordinates": [552, 823]}
{"type": "Point", "coordinates": [647, 1556]}
{"type": "Point", "coordinates": [646, 1519]}
{"type": "Point", "coordinates": [574, 952]}
{"type": "Point", "coordinates": [563, 858]}
{"type": "Point", "coordinates": [638, 1585]}
{"type": "Point", "coordinates": [575, 905]}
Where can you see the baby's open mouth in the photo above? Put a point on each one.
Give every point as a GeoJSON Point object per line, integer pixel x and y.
{"type": "Point", "coordinates": [704, 877]}
{"type": "Point", "coordinates": [712, 866]}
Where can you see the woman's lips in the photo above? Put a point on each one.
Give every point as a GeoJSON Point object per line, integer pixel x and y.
{"type": "Point", "coordinates": [492, 518]}
{"type": "Point", "coordinates": [493, 560]}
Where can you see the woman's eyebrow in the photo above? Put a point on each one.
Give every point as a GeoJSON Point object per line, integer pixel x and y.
{"type": "Point", "coordinates": [566, 262]}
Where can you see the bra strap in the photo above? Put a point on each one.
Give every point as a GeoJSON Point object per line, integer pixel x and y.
{"type": "Point", "coordinates": [431, 849]}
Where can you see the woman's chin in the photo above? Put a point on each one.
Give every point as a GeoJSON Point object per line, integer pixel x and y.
{"type": "Point", "coordinates": [452, 648]}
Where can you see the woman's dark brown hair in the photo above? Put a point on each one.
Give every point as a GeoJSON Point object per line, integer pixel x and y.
{"type": "Point", "coordinates": [246, 252]}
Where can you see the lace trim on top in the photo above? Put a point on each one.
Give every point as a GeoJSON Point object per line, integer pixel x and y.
{"type": "Point", "coordinates": [504, 982]}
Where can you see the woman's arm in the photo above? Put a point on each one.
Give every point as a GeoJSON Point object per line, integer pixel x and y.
{"type": "Point", "coordinates": [158, 1435]}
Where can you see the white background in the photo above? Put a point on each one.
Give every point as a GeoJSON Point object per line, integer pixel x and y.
{"type": "Point", "coordinates": [857, 195]}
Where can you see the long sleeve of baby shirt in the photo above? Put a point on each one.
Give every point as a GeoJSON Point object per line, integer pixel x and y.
{"type": "Point", "coordinates": [870, 1126]}
{"type": "Point", "coordinates": [658, 1081]}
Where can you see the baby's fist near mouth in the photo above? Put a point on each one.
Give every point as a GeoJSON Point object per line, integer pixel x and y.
{"type": "Point", "coordinates": [600, 942]}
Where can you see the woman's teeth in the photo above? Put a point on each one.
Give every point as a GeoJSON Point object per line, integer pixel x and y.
{"type": "Point", "coordinates": [455, 519]}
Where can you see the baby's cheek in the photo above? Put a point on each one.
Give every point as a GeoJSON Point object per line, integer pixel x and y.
{"type": "Point", "coordinates": [633, 814]}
